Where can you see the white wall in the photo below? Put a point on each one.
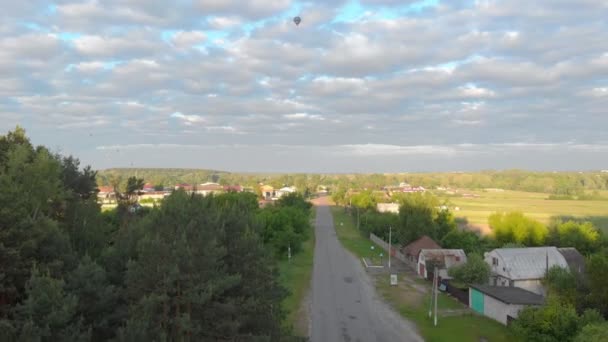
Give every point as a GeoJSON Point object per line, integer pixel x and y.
{"type": "Point", "coordinates": [498, 310]}
{"type": "Point", "coordinates": [531, 285]}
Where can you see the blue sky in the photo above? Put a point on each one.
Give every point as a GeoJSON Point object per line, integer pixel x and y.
{"type": "Point", "coordinates": [365, 86]}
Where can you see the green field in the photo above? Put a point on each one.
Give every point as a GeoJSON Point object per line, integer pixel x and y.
{"type": "Point", "coordinates": [350, 238]}
{"type": "Point", "coordinates": [533, 205]}
{"type": "Point", "coordinates": [295, 275]}
{"type": "Point", "coordinates": [414, 306]}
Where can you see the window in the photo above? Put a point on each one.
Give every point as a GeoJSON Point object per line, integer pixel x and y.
{"type": "Point", "coordinates": [495, 261]}
{"type": "Point", "coordinates": [457, 258]}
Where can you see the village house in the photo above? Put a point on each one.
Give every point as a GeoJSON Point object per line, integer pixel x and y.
{"type": "Point", "coordinates": [209, 188]}
{"type": "Point", "coordinates": [285, 191]}
{"type": "Point", "coordinates": [153, 195]}
{"type": "Point", "coordinates": [106, 195]}
{"type": "Point", "coordinates": [412, 250]}
{"type": "Point", "coordinates": [523, 267]}
{"type": "Point", "coordinates": [501, 303]}
{"type": "Point", "coordinates": [268, 192]}
{"type": "Point", "coordinates": [443, 259]}
{"type": "Point", "coordinates": [388, 208]}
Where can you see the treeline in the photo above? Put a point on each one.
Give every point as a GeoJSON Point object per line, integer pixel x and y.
{"type": "Point", "coordinates": [563, 185]}
{"type": "Point", "coordinates": [577, 306]}
{"type": "Point", "coordinates": [192, 269]}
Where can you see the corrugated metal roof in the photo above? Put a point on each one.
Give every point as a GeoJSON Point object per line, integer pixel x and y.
{"type": "Point", "coordinates": [510, 295]}
{"type": "Point", "coordinates": [443, 252]}
{"type": "Point", "coordinates": [531, 262]}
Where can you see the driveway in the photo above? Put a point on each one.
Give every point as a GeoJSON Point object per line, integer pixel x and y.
{"type": "Point", "coordinates": [345, 306]}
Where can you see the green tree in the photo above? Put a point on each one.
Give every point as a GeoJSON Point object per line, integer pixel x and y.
{"type": "Point", "coordinates": [419, 216]}
{"type": "Point", "coordinates": [466, 240]}
{"type": "Point", "coordinates": [597, 268]}
{"type": "Point", "coordinates": [593, 333]}
{"type": "Point", "coordinates": [562, 284]}
{"type": "Point", "coordinates": [515, 227]}
{"type": "Point", "coordinates": [474, 271]}
{"type": "Point", "coordinates": [48, 313]}
{"type": "Point", "coordinates": [581, 235]}
{"type": "Point", "coordinates": [555, 321]}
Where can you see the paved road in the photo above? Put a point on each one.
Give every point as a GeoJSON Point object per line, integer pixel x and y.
{"type": "Point", "coordinates": [345, 306]}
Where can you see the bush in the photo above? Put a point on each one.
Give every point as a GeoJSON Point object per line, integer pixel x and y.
{"type": "Point", "coordinates": [593, 333]}
{"type": "Point", "coordinates": [554, 322]}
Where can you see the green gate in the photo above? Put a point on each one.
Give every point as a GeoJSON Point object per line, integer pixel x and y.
{"type": "Point", "coordinates": [477, 301]}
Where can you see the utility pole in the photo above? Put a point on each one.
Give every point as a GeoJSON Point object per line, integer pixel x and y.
{"type": "Point", "coordinates": [436, 290]}
{"type": "Point", "coordinates": [289, 252]}
{"type": "Point", "coordinates": [390, 231]}
{"type": "Point", "coordinates": [432, 297]}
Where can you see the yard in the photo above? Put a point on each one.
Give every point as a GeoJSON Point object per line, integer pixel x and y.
{"type": "Point", "coordinates": [411, 297]}
{"type": "Point", "coordinates": [534, 205]}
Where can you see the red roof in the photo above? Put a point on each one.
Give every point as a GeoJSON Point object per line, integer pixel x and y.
{"type": "Point", "coordinates": [106, 189]}
{"type": "Point", "coordinates": [424, 242]}
{"type": "Point", "coordinates": [236, 188]}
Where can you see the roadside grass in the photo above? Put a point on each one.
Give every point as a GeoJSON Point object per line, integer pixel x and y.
{"type": "Point", "coordinates": [295, 275]}
{"type": "Point", "coordinates": [463, 328]}
{"type": "Point", "coordinates": [412, 304]}
{"type": "Point", "coordinates": [352, 239]}
{"type": "Point", "coordinates": [533, 205]}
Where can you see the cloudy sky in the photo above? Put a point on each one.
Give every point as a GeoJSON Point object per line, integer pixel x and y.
{"type": "Point", "coordinates": [358, 86]}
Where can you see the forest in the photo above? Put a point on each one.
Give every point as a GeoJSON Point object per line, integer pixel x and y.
{"type": "Point", "coordinates": [192, 269]}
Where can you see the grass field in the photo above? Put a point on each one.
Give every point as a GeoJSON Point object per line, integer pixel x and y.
{"type": "Point", "coordinates": [350, 238]}
{"type": "Point", "coordinates": [295, 275]}
{"type": "Point", "coordinates": [413, 305]}
{"type": "Point", "coordinates": [464, 328]}
{"type": "Point", "coordinates": [533, 205]}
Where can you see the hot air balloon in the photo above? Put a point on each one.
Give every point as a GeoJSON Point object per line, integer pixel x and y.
{"type": "Point", "coordinates": [297, 20]}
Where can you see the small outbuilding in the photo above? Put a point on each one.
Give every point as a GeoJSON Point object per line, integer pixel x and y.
{"type": "Point", "coordinates": [443, 259]}
{"type": "Point", "coordinates": [412, 250]}
{"type": "Point", "coordinates": [501, 303]}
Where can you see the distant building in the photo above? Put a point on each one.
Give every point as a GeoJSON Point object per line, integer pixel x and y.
{"type": "Point", "coordinates": [268, 192]}
{"type": "Point", "coordinates": [500, 303]}
{"type": "Point", "coordinates": [388, 208]}
{"type": "Point", "coordinates": [106, 195]}
{"type": "Point", "coordinates": [285, 191]}
{"type": "Point", "coordinates": [209, 188]}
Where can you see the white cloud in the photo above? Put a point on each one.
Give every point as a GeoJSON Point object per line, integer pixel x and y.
{"type": "Point", "coordinates": [186, 39]}
{"type": "Point", "coordinates": [303, 116]}
{"type": "Point", "coordinates": [188, 119]}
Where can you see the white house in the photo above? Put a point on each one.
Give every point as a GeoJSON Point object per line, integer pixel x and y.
{"type": "Point", "coordinates": [285, 191]}
{"type": "Point", "coordinates": [209, 188]}
{"type": "Point", "coordinates": [388, 208]}
{"type": "Point", "coordinates": [501, 303]}
{"type": "Point", "coordinates": [444, 259]}
{"type": "Point", "coordinates": [523, 267]}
